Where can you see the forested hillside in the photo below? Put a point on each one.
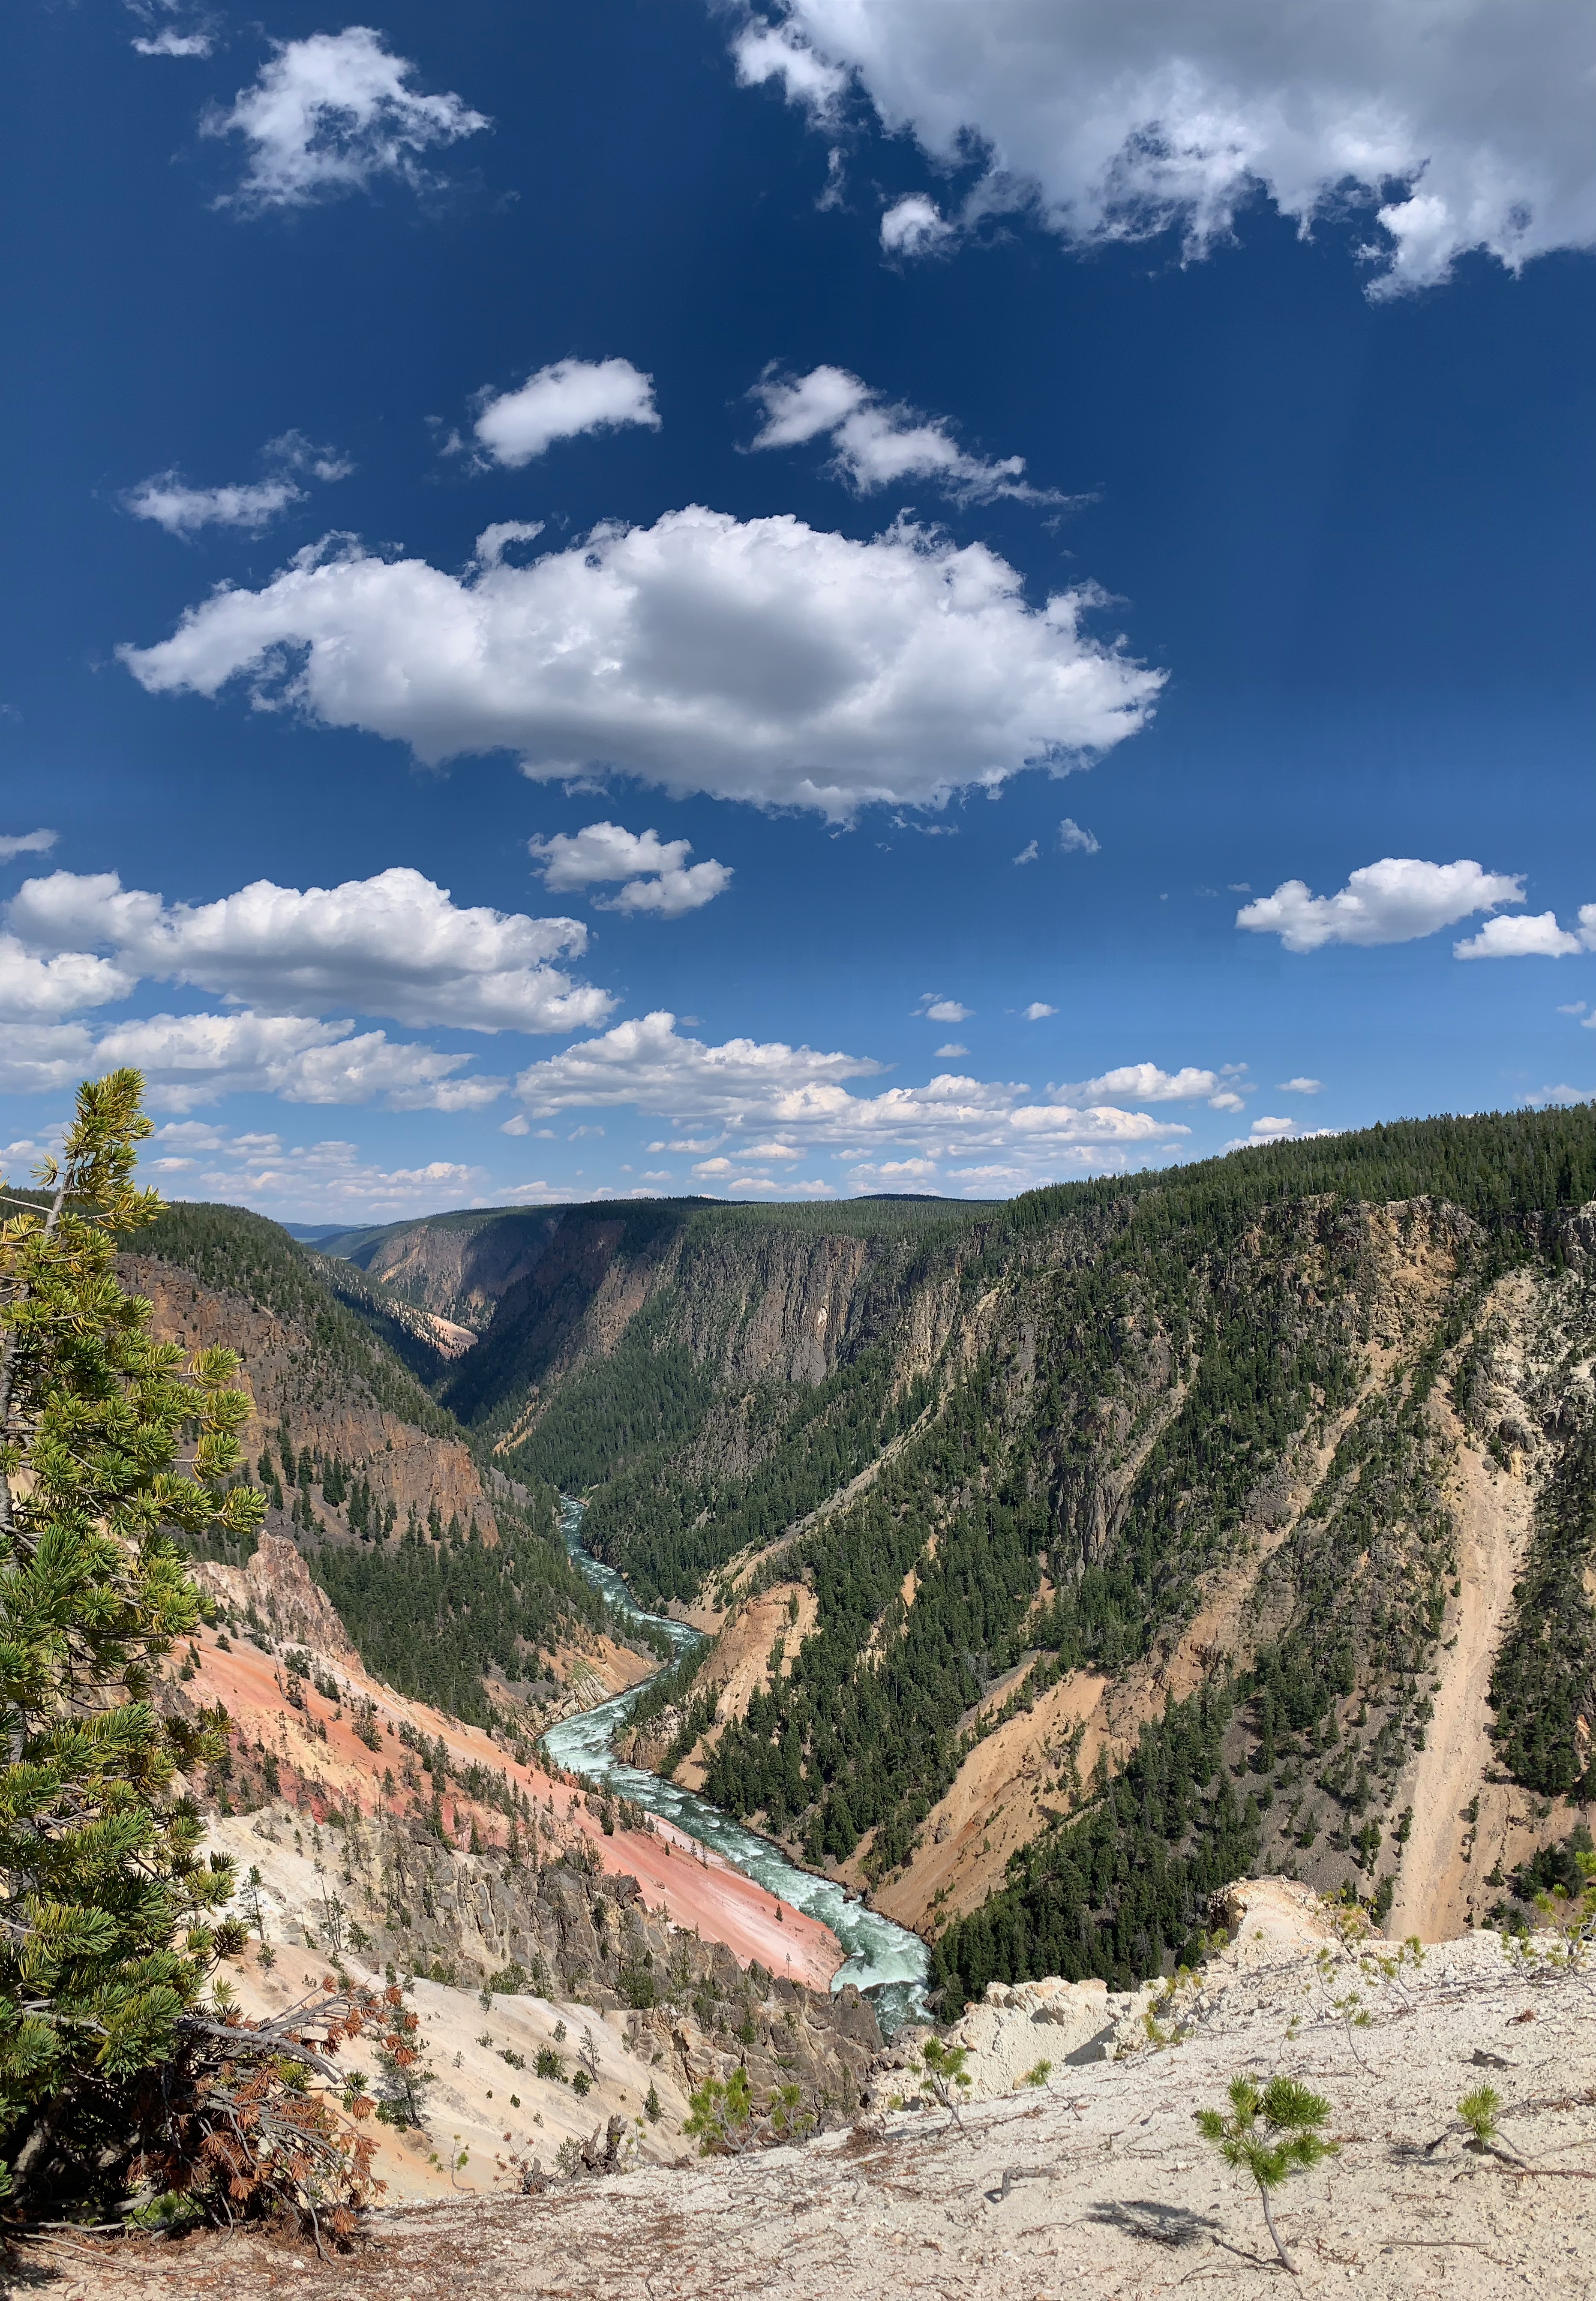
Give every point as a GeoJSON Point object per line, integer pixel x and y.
{"type": "Point", "coordinates": [1160, 1483]}
{"type": "Point", "coordinates": [440, 1567]}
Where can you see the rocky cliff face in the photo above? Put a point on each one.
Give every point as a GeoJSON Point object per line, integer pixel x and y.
{"type": "Point", "coordinates": [461, 1269]}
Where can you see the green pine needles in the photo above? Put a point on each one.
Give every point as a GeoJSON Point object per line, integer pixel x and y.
{"type": "Point", "coordinates": [1270, 2133]}
{"type": "Point", "coordinates": [109, 1923]}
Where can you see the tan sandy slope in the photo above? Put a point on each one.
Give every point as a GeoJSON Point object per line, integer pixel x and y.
{"type": "Point", "coordinates": [1094, 2184]}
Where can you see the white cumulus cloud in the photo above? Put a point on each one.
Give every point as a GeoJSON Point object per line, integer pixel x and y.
{"type": "Point", "coordinates": [771, 1102]}
{"type": "Point", "coordinates": [658, 876]}
{"type": "Point", "coordinates": [1146, 1082]}
{"type": "Point", "coordinates": [1527, 937]}
{"type": "Point", "coordinates": [757, 659]}
{"type": "Point", "coordinates": [1073, 841]}
{"type": "Point", "coordinates": [647, 1062]}
{"type": "Point", "coordinates": [1397, 900]}
{"type": "Point", "coordinates": [1039, 1010]}
{"type": "Point", "coordinates": [559, 403]}
{"type": "Point", "coordinates": [1456, 126]}
{"type": "Point", "coordinates": [394, 945]}
{"type": "Point", "coordinates": [182, 510]}
{"type": "Point", "coordinates": [192, 34]}
{"type": "Point", "coordinates": [1267, 1128]}
{"type": "Point", "coordinates": [878, 444]}
{"type": "Point", "coordinates": [766, 52]}
{"type": "Point", "coordinates": [36, 989]}
{"type": "Point", "coordinates": [329, 114]}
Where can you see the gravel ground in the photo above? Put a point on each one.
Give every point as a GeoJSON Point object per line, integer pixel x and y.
{"type": "Point", "coordinates": [1096, 2185]}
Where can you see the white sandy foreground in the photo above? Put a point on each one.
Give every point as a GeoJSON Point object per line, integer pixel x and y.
{"type": "Point", "coordinates": [1094, 2182]}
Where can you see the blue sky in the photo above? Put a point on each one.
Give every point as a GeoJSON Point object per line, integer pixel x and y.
{"type": "Point", "coordinates": [1294, 413]}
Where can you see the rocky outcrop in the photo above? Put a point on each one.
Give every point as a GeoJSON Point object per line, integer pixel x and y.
{"type": "Point", "coordinates": [275, 1588]}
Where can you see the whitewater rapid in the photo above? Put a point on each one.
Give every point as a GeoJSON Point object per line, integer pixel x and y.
{"type": "Point", "coordinates": [885, 1959]}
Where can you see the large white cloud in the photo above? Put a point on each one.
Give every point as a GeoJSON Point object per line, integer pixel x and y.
{"type": "Point", "coordinates": [329, 114]}
{"type": "Point", "coordinates": [559, 403]}
{"type": "Point", "coordinates": [756, 659]}
{"type": "Point", "coordinates": [878, 445]}
{"type": "Point", "coordinates": [1460, 123]}
{"type": "Point", "coordinates": [647, 1063]}
{"type": "Point", "coordinates": [1394, 900]}
{"type": "Point", "coordinates": [1147, 1083]}
{"type": "Point", "coordinates": [189, 1060]}
{"type": "Point", "coordinates": [394, 944]}
{"type": "Point", "coordinates": [658, 876]}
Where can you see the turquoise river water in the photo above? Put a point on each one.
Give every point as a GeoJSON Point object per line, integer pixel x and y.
{"type": "Point", "coordinates": [885, 1959]}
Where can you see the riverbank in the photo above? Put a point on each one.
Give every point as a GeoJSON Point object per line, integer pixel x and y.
{"type": "Point", "coordinates": [880, 1956]}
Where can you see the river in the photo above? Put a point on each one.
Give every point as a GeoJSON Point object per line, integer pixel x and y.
{"type": "Point", "coordinates": [885, 1959]}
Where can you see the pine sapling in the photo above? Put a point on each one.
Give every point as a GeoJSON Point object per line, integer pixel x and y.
{"type": "Point", "coordinates": [1480, 2112]}
{"type": "Point", "coordinates": [942, 2074]}
{"type": "Point", "coordinates": [1270, 2134]}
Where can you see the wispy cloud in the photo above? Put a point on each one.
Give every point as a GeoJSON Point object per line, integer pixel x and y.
{"type": "Point", "coordinates": [877, 443]}
{"type": "Point", "coordinates": [331, 113]}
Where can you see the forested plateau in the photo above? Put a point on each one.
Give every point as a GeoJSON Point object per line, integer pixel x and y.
{"type": "Point", "coordinates": [1064, 1559]}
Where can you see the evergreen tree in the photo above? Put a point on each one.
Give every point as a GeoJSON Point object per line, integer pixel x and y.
{"type": "Point", "coordinates": [108, 1913]}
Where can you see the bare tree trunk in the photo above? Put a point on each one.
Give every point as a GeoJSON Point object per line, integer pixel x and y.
{"type": "Point", "coordinates": [1274, 2233]}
